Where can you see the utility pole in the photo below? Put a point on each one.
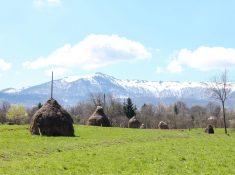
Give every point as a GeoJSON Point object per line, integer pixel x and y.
{"type": "Point", "coordinates": [52, 85]}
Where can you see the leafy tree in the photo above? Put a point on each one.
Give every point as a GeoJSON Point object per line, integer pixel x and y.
{"type": "Point", "coordinates": [17, 114]}
{"type": "Point", "coordinates": [129, 108]}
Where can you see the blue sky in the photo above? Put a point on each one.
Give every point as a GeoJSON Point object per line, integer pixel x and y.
{"type": "Point", "coordinates": [184, 40]}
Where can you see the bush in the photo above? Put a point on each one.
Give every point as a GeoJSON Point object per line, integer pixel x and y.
{"type": "Point", "coordinates": [17, 114]}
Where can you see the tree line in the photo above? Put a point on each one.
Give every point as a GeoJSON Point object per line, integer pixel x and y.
{"type": "Point", "coordinates": [177, 115]}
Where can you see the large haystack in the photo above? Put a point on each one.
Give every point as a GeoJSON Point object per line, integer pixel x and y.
{"type": "Point", "coordinates": [163, 125]}
{"type": "Point", "coordinates": [98, 118]}
{"type": "Point", "coordinates": [209, 129]}
{"type": "Point", "coordinates": [52, 120]}
{"type": "Point", "coordinates": [134, 123]}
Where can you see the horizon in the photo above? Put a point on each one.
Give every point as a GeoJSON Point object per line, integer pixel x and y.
{"type": "Point", "coordinates": [184, 41]}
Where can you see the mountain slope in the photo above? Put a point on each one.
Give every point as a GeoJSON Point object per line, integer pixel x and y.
{"type": "Point", "coordinates": [71, 90]}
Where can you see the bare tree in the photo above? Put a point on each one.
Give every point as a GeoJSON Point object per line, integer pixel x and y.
{"type": "Point", "coordinates": [4, 107]}
{"type": "Point", "coordinates": [97, 99]}
{"type": "Point", "coordinates": [147, 115]}
{"type": "Point", "coordinates": [220, 90]}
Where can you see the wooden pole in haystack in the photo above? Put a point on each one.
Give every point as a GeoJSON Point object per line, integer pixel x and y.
{"type": "Point", "coordinates": [104, 102]}
{"type": "Point", "coordinates": [52, 85]}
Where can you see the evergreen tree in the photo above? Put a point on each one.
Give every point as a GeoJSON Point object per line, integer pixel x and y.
{"type": "Point", "coordinates": [129, 108]}
{"type": "Point", "coordinates": [176, 109]}
{"type": "Point", "coordinates": [176, 112]}
{"type": "Point", "coordinates": [39, 105]}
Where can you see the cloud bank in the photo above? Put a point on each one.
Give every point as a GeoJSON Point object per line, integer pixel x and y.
{"type": "Point", "coordinates": [203, 59]}
{"type": "Point", "coordinates": [95, 51]}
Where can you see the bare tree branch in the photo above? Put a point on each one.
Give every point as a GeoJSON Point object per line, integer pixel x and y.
{"type": "Point", "coordinates": [220, 90]}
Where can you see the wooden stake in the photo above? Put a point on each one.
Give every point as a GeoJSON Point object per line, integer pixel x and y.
{"type": "Point", "coordinates": [104, 103]}
{"type": "Point", "coordinates": [52, 85]}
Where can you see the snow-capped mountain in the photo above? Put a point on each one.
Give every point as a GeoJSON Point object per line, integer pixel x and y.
{"type": "Point", "coordinates": [71, 90]}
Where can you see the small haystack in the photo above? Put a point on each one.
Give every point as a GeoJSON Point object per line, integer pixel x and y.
{"type": "Point", "coordinates": [134, 123]}
{"type": "Point", "coordinates": [142, 126]}
{"type": "Point", "coordinates": [163, 125]}
{"type": "Point", "coordinates": [52, 120]}
{"type": "Point", "coordinates": [98, 118]}
{"type": "Point", "coordinates": [209, 129]}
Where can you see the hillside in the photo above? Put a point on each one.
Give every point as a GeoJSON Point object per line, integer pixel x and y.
{"type": "Point", "coordinates": [71, 90]}
{"type": "Point", "coordinates": [116, 151]}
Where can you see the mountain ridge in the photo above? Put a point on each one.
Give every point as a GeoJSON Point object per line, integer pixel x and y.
{"type": "Point", "coordinates": [74, 89]}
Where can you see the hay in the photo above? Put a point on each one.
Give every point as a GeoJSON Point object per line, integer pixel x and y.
{"type": "Point", "coordinates": [163, 125]}
{"type": "Point", "coordinates": [98, 118]}
{"type": "Point", "coordinates": [209, 129]}
{"type": "Point", "coordinates": [134, 123]}
{"type": "Point", "coordinates": [142, 126]}
{"type": "Point", "coordinates": [52, 120]}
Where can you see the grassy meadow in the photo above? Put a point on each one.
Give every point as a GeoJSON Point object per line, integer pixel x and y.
{"type": "Point", "coordinates": [97, 150]}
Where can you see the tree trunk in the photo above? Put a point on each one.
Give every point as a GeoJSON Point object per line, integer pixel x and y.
{"type": "Point", "coordinates": [145, 122]}
{"type": "Point", "coordinates": [174, 121]}
{"type": "Point", "coordinates": [224, 117]}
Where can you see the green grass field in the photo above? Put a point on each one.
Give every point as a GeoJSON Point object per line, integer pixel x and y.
{"type": "Point", "coordinates": [97, 150]}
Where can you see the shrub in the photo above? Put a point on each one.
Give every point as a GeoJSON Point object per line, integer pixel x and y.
{"type": "Point", "coordinates": [17, 114]}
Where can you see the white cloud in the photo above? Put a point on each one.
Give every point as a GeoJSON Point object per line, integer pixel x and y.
{"type": "Point", "coordinates": [4, 66]}
{"type": "Point", "coordinates": [203, 59]}
{"type": "Point", "coordinates": [93, 52]}
{"type": "Point", "coordinates": [42, 3]}
{"type": "Point", "coordinates": [174, 67]}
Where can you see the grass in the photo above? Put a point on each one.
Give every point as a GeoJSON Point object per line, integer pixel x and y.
{"type": "Point", "coordinates": [97, 150]}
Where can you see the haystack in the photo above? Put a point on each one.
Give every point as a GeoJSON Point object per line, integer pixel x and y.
{"type": "Point", "coordinates": [52, 120]}
{"type": "Point", "coordinates": [163, 125]}
{"type": "Point", "coordinates": [134, 123]}
{"type": "Point", "coordinates": [209, 129]}
{"type": "Point", "coordinates": [98, 118]}
{"type": "Point", "coordinates": [142, 126]}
